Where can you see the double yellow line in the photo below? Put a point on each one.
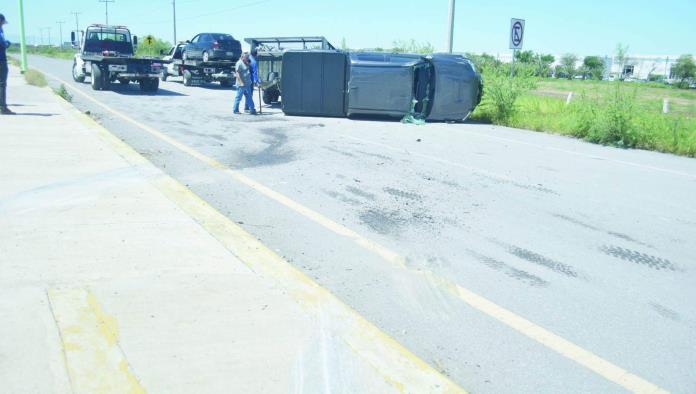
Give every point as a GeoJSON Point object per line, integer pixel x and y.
{"type": "Point", "coordinates": [566, 348]}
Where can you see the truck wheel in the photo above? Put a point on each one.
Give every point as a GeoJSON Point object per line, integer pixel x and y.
{"type": "Point", "coordinates": [97, 78]}
{"type": "Point", "coordinates": [76, 73]}
{"type": "Point", "coordinates": [187, 78]}
{"type": "Point", "coordinates": [206, 56]}
{"type": "Point", "coordinates": [149, 85]}
{"type": "Point", "coordinates": [154, 85]}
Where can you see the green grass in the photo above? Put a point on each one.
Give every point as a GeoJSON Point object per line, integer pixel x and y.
{"type": "Point", "coordinates": [35, 78]}
{"type": "Point", "coordinates": [65, 53]}
{"type": "Point", "coordinates": [612, 113]}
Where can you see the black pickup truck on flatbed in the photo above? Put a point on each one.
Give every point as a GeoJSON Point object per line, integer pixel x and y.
{"type": "Point", "coordinates": [107, 54]}
{"type": "Point", "coordinates": [196, 72]}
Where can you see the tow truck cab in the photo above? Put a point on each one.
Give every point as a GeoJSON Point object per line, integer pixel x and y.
{"type": "Point", "coordinates": [107, 54]}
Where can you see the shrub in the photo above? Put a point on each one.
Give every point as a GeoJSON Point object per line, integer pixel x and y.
{"type": "Point", "coordinates": [501, 93]}
{"type": "Point", "coordinates": [35, 78]}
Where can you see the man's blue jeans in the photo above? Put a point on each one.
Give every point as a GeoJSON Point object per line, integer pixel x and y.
{"type": "Point", "coordinates": [248, 98]}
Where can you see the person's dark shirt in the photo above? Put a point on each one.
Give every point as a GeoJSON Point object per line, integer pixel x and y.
{"type": "Point", "coordinates": [4, 44]}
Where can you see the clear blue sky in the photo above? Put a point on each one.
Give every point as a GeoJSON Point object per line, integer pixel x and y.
{"type": "Point", "coordinates": [585, 27]}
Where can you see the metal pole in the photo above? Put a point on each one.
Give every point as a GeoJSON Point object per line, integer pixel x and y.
{"type": "Point", "coordinates": [49, 36]}
{"type": "Point", "coordinates": [512, 68]}
{"type": "Point", "coordinates": [60, 27]}
{"type": "Point", "coordinates": [450, 37]}
{"type": "Point", "coordinates": [77, 22]}
{"type": "Point", "coordinates": [106, 4]}
{"type": "Point", "coordinates": [22, 38]}
{"type": "Point", "coordinates": [174, 12]}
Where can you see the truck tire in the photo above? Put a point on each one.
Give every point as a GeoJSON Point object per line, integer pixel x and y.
{"type": "Point", "coordinates": [187, 78]}
{"type": "Point", "coordinates": [270, 96]}
{"type": "Point", "coordinates": [97, 78]}
{"type": "Point", "coordinates": [76, 73]}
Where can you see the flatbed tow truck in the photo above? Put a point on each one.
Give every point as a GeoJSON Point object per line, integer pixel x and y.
{"type": "Point", "coordinates": [197, 72]}
{"type": "Point", "coordinates": [107, 54]}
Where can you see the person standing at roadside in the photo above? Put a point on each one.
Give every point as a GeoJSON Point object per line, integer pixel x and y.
{"type": "Point", "coordinates": [4, 44]}
{"type": "Point", "coordinates": [254, 66]}
{"type": "Point", "coordinates": [244, 85]}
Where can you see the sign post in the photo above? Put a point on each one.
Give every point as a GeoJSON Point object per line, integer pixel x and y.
{"type": "Point", "coordinates": [516, 40]}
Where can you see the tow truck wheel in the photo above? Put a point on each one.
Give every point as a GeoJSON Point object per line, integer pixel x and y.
{"type": "Point", "coordinates": [76, 73]}
{"type": "Point", "coordinates": [97, 78]}
{"type": "Point", "coordinates": [187, 78]}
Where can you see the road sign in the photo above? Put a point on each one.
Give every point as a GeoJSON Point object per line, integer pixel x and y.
{"type": "Point", "coordinates": [516, 33]}
{"type": "Point", "coordinates": [149, 40]}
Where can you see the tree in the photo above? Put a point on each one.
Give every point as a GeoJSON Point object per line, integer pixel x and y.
{"type": "Point", "coordinates": [568, 62]}
{"type": "Point", "coordinates": [524, 56]}
{"type": "Point", "coordinates": [152, 50]}
{"type": "Point", "coordinates": [684, 70]}
{"type": "Point", "coordinates": [543, 64]}
{"type": "Point", "coordinates": [593, 67]}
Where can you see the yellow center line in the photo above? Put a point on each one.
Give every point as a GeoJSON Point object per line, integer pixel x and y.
{"type": "Point", "coordinates": [552, 341]}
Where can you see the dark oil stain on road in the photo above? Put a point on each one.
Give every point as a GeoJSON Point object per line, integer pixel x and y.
{"type": "Point", "coordinates": [636, 257]}
{"type": "Point", "coordinates": [274, 154]}
{"type": "Point", "coordinates": [403, 194]}
{"type": "Point", "coordinates": [512, 272]}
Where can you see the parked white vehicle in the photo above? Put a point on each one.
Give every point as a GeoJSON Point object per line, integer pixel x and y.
{"type": "Point", "coordinates": [172, 68]}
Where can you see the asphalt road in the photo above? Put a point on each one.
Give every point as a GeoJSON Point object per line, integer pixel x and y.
{"type": "Point", "coordinates": [410, 224]}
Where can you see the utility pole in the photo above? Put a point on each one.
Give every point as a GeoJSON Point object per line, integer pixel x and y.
{"type": "Point", "coordinates": [77, 22]}
{"type": "Point", "coordinates": [60, 27]}
{"type": "Point", "coordinates": [106, 4]}
{"type": "Point", "coordinates": [450, 37]}
{"type": "Point", "coordinates": [49, 35]}
{"type": "Point", "coordinates": [174, 10]}
{"type": "Point", "coordinates": [22, 38]}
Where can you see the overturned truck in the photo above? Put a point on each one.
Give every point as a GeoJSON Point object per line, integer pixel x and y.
{"type": "Point", "coordinates": [438, 87]}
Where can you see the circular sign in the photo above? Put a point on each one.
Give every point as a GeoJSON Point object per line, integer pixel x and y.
{"type": "Point", "coordinates": [517, 33]}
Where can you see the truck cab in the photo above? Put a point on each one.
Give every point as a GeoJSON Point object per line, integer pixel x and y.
{"type": "Point", "coordinates": [107, 54]}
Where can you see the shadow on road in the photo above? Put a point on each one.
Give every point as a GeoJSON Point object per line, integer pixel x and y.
{"type": "Point", "coordinates": [134, 90]}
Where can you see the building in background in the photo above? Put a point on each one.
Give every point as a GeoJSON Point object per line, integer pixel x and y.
{"type": "Point", "coordinates": [638, 67]}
